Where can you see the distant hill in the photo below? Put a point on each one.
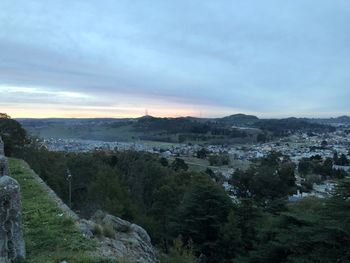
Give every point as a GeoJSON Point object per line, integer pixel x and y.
{"type": "Point", "coordinates": [239, 119]}
{"type": "Point", "coordinates": [344, 118]}
{"type": "Point", "coordinates": [283, 127]}
{"type": "Point", "coordinates": [341, 120]}
{"type": "Point", "coordinates": [330, 121]}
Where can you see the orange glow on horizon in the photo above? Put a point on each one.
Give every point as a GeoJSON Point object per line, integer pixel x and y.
{"type": "Point", "coordinates": [98, 112]}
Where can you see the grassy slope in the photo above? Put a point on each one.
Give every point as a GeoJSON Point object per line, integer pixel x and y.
{"type": "Point", "coordinates": [49, 235]}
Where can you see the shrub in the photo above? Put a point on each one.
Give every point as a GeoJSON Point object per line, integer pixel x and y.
{"type": "Point", "coordinates": [97, 230]}
{"type": "Point", "coordinates": [108, 231]}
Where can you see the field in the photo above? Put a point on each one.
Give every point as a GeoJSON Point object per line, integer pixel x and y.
{"type": "Point", "coordinates": [200, 165]}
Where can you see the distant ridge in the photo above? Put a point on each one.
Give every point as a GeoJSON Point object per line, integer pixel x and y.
{"type": "Point", "coordinates": [343, 118]}
{"type": "Point", "coordinates": [238, 119]}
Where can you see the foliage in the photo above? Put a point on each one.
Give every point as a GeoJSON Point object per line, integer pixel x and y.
{"type": "Point", "coordinates": [202, 153]}
{"type": "Point", "coordinates": [319, 166]}
{"type": "Point", "coordinates": [179, 164]}
{"type": "Point", "coordinates": [12, 133]}
{"type": "Point", "coordinates": [284, 127]}
{"type": "Point", "coordinates": [310, 231]}
{"type": "Point", "coordinates": [204, 209]}
{"type": "Point", "coordinates": [219, 160]}
{"type": "Point", "coordinates": [179, 253]}
{"type": "Point", "coordinates": [267, 179]}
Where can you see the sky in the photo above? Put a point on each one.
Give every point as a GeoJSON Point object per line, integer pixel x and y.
{"type": "Point", "coordinates": [107, 58]}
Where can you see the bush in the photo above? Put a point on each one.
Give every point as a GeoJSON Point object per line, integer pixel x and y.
{"type": "Point", "coordinates": [97, 230]}
{"type": "Point", "coordinates": [179, 253]}
{"type": "Point", "coordinates": [108, 231]}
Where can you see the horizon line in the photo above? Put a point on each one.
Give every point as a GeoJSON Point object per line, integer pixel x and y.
{"type": "Point", "coordinates": [187, 116]}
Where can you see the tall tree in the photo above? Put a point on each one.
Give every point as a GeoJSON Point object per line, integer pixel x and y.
{"type": "Point", "coordinates": [204, 210]}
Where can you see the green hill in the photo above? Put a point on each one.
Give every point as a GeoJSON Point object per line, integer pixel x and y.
{"type": "Point", "coordinates": [50, 234]}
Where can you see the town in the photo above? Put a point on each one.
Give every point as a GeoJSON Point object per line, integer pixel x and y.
{"type": "Point", "coordinates": [200, 157]}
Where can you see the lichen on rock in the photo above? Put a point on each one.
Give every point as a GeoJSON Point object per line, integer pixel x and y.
{"type": "Point", "coordinates": [12, 247]}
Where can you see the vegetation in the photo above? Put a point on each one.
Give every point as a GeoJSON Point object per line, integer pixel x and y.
{"type": "Point", "coordinates": [267, 179]}
{"type": "Point", "coordinates": [322, 167]}
{"type": "Point", "coordinates": [173, 130]}
{"type": "Point", "coordinates": [50, 235]}
{"type": "Point", "coordinates": [137, 187]}
{"type": "Point", "coordinates": [12, 133]}
{"type": "Point", "coordinates": [187, 214]}
{"type": "Point", "coordinates": [222, 131]}
{"type": "Point", "coordinates": [283, 127]}
{"type": "Point", "coordinates": [313, 230]}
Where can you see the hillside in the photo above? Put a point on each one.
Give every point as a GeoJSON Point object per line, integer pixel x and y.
{"type": "Point", "coordinates": [51, 235]}
{"type": "Point", "coordinates": [147, 128]}
{"type": "Point", "coordinates": [238, 120]}
{"type": "Point", "coordinates": [233, 129]}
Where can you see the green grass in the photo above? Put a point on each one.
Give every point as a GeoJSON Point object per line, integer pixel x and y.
{"type": "Point", "coordinates": [98, 132]}
{"type": "Point", "coordinates": [49, 235]}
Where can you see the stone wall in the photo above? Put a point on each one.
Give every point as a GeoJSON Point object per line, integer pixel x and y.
{"type": "Point", "coordinates": [12, 246]}
{"type": "Point", "coordinates": [2, 148]}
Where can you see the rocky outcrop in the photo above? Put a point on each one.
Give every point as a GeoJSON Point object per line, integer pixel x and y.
{"type": "Point", "coordinates": [12, 246]}
{"type": "Point", "coordinates": [119, 237]}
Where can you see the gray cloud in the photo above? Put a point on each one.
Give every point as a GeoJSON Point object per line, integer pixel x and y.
{"type": "Point", "coordinates": [288, 57]}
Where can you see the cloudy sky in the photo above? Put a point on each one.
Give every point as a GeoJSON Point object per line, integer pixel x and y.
{"type": "Point", "coordinates": [63, 58]}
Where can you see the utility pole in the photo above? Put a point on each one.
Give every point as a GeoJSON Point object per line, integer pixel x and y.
{"type": "Point", "coordinates": [69, 179]}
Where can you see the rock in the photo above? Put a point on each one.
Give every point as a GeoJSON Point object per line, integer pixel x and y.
{"type": "Point", "coordinates": [118, 224]}
{"type": "Point", "coordinates": [2, 148]}
{"type": "Point", "coordinates": [4, 167]}
{"type": "Point", "coordinates": [12, 246]}
{"type": "Point", "coordinates": [86, 227]}
{"type": "Point", "coordinates": [129, 242]}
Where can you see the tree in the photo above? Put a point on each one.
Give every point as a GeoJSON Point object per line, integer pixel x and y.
{"type": "Point", "coordinates": [312, 230]}
{"type": "Point", "coordinates": [179, 253]}
{"type": "Point", "coordinates": [179, 164]}
{"type": "Point", "coordinates": [202, 153]}
{"type": "Point", "coordinates": [231, 238]}
{"type": "Point", "coordinates": [241, 180]}
{"type": "Point", "coordinates": [304, 166]}
{"type": "Point", "coordinates": [265, 180]}
{"type": "Point", "coordinates": [335, 158]}
{"type": "Point", "coordinates": [110, 194]}
{"type": "Point", "coordinates": [324, 144]}
{"type": "Point", "coordinates": [163, 161]}
{"type": "Point", "coordinates": [261, 137]}
{"type": "Point", "coordinates": [4, 116]}
{"type": "Point", "coordinates": [328, 164]}
{"type": "Point", "coordinates": [218, 160]}
{"type": "Point", "coordinates": [204, 210]}
{"type": "Point", "coordinates": [166, 200]}
{"type": "Point", "coordinates": [12, 133]}
{"type": "Point", "coordinates": [343, 160]}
